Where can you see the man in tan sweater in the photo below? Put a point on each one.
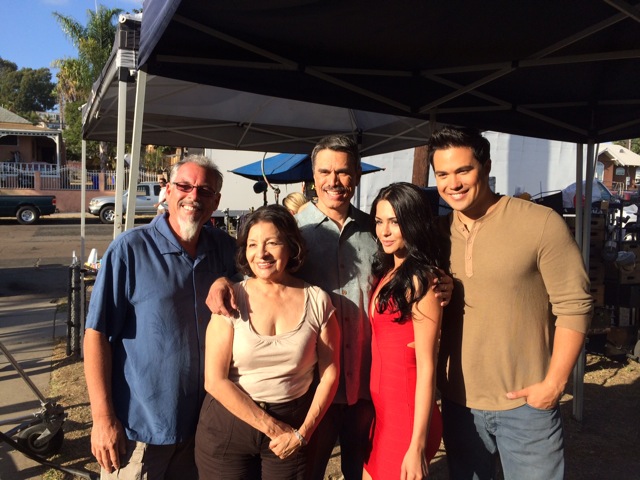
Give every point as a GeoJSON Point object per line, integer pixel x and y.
{"type": "Point", "coordinates": [515, 325]}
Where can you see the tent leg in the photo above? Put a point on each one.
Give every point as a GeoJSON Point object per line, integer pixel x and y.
{"type": "Point", "coordinates": [136, 145]}
{"type": "Point", "coordinates": [583, 233]}
{"type": "Point", "coordinates": [121, 132]}
{"type": "Point", "coordinates": [83, 200]}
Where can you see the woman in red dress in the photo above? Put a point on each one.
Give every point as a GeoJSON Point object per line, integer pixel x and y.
{"type": "Point", "coordinates": [405, 320]}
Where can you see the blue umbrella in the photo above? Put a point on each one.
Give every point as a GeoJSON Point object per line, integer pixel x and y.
{"type": "Point", "coordinates": [287, 168]}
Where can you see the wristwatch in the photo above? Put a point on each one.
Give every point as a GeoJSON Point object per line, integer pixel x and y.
{"type": "Point", "coordinates": [301, 439]}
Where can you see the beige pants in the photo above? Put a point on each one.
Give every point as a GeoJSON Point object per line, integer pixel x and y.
{"type": "Point", "coordinates": [155, 462]}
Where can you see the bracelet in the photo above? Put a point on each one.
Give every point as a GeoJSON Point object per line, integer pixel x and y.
{"type": "Point", "coordinates": [301, 439]}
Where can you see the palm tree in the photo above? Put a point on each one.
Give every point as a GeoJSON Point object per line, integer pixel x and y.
{"type": "Point", "coordinates": [76, 75]}
{"type": "Point", "coordinates": [94, 42]}
{"type": "Point", "coordinates": [71, 77]}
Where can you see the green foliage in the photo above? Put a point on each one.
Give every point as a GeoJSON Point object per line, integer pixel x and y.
{"type": "Point", "coordinates": [7, 67]}
{"type": "Point", "coordinates": [36, 91]}
{"type": "Point", "coordinates": [25, 90]}
{"type": "Point", "coordinates": [72, 135]}
{"type": "Point", "coordinates": [76, 75]}
{"type": "Point", "coordinates": [632, 144]}
{"type": "Point", "coordinates": [93, 42]}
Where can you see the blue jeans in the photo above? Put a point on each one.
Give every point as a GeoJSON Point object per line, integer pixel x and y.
{"type": "Point", "coordinates": [528, 441]}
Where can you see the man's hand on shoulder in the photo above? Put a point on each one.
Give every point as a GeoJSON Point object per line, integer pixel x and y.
{"type": "Point", "coordinates": [443, 286]}
{"type": "Point", "coordinates": [221, 299]}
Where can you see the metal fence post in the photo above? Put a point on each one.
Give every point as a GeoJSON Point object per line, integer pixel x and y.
{"type": "Point", "coordinates": [75, 310]}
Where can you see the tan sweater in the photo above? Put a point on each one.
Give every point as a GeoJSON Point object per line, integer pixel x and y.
{"type": "Point", "coordinates": [516, 271]}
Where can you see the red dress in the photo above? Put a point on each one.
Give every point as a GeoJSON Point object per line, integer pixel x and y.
{"type": "Point", "coordinates": [393, 387]}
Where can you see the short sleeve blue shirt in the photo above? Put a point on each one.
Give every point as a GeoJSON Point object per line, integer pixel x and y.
{"type": "Point", "coordinates": [149, 301]}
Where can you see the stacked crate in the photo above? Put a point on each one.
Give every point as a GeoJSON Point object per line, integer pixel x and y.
{"type": "Point", "coordinates": [623, 291]}
{"type": "Point", "coordinates": [597, 269]}
{"type": "Point", "coordinates": [626, 276]}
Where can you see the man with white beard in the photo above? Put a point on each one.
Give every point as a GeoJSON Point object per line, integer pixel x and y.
{"type": "Point", "coordinates": [144, 343]}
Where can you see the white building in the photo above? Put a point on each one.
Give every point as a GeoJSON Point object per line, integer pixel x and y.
{"type": "Point", "coordinates": [518, 164]}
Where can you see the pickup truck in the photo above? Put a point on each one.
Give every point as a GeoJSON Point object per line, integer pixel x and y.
{"type": "Point", "coordinates": [27, 208]}
{"type": "Point", "coordinates": [146, 197]}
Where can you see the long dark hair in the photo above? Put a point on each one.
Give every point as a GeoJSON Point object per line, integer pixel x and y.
{"type": "Point", "coordinates": [412, 280]}
{"type": "Point", "coordinates": [280, 217]}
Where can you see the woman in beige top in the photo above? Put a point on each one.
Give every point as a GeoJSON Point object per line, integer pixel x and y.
{"type": "Point", "coordinates": [262, 404]}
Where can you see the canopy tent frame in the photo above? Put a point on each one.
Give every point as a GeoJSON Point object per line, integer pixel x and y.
{"type": "Point", "coordinates": [502, 99]}
{"type": "Point", "coordinates": [538, 59]}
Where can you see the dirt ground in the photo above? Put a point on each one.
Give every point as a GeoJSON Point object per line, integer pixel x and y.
{"type": "Point", "coordinates": [605, 445]}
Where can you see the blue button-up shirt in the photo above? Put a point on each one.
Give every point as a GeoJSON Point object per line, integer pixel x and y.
{"type": "Point", "coordinates": [149, 301]}
{"type": "Point", "coordinates": [339, 262]}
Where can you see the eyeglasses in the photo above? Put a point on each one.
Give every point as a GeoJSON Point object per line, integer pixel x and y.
{"type": "Point", "coordinates": [202, 190]}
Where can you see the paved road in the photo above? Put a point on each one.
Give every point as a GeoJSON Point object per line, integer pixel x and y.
{"type": "Point", "coordinates": [52, 241]}
{"type": "Point", "coordinates": [34, 272]}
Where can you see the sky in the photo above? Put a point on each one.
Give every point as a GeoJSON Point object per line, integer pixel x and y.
{"type": "Point", "coordinates": [31, 37]}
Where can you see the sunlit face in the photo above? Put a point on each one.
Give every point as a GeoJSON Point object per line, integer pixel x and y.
{"type": "Point", "coordinates": [189, 211]}
{"type": "Point", "coordinates": [335, 178]}
{"type": "Point", "coordinates": [462, 181]}
{"type": "Point", "coordinates": [267, 252]}
{"type": "Point", "coordinates": [388, 230]}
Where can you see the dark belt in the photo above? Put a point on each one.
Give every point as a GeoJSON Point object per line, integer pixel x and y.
{"type": "Point", "coordinates": [291, 403]}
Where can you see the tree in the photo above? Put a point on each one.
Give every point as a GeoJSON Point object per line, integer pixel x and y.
{"type": "Point", "coordinates": [72, 132]}
{"type": "Point", "coordinates": [632, 144]}
{"type": "Point", "coordinates": [26, 90]}
{"type": "Point", "coordinates": [76, 75]}
{"type": "Point", "coordinates": [94, 42]}
{"type": "Point", "coordinates": [36, 92]}
{"type": "Point", "coordinates": [7, 67]}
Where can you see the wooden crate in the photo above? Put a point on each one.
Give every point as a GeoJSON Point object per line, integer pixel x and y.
{"type": "Point", "coordinates": [596, 237]}
{"type": "Point", "coordinates": [629, 278]}
{"type": "Point", "coordinates": [623, 336]}
{"type": "Point", "coordinates": [601, 319]}
{"type": "Point", "coordinates": [597, 292]}
{"type": "Point", "coordinates": [597, 222]}
{"type": "Point", "coordinates": [596, 273]}
{"type": "Point", "coordinates": [632, 247]}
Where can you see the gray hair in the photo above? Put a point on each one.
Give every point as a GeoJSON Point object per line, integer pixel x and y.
{"type": "Point", "coordinates": [203, 162]}
{"type": "Point", "coordinates": [337, 143]}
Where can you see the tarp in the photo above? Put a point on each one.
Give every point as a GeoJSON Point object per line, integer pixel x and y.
{"type": "Point", "coordinates": [287, 168]}
{"type": "Point", "coordinates": [188, 114]}
{"type": "Point", "coordinates": [559, 70]}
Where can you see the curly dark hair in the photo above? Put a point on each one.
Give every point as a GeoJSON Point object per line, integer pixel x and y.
{"type": "Point", "coordinates": [280, 217]}
{"type": "Point", "coordinates": [412, 280]}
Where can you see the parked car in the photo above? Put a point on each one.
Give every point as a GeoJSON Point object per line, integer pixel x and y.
{"type": "Point", "coordinates": [27, 208]}
{"type": "Point", "coordinates": [599, 192]}
{"type": "Point", "coordinates": [146, 198]}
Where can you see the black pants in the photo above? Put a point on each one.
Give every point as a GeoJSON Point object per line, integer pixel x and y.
{"type": "Point", "coordinates": [229, 449]}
